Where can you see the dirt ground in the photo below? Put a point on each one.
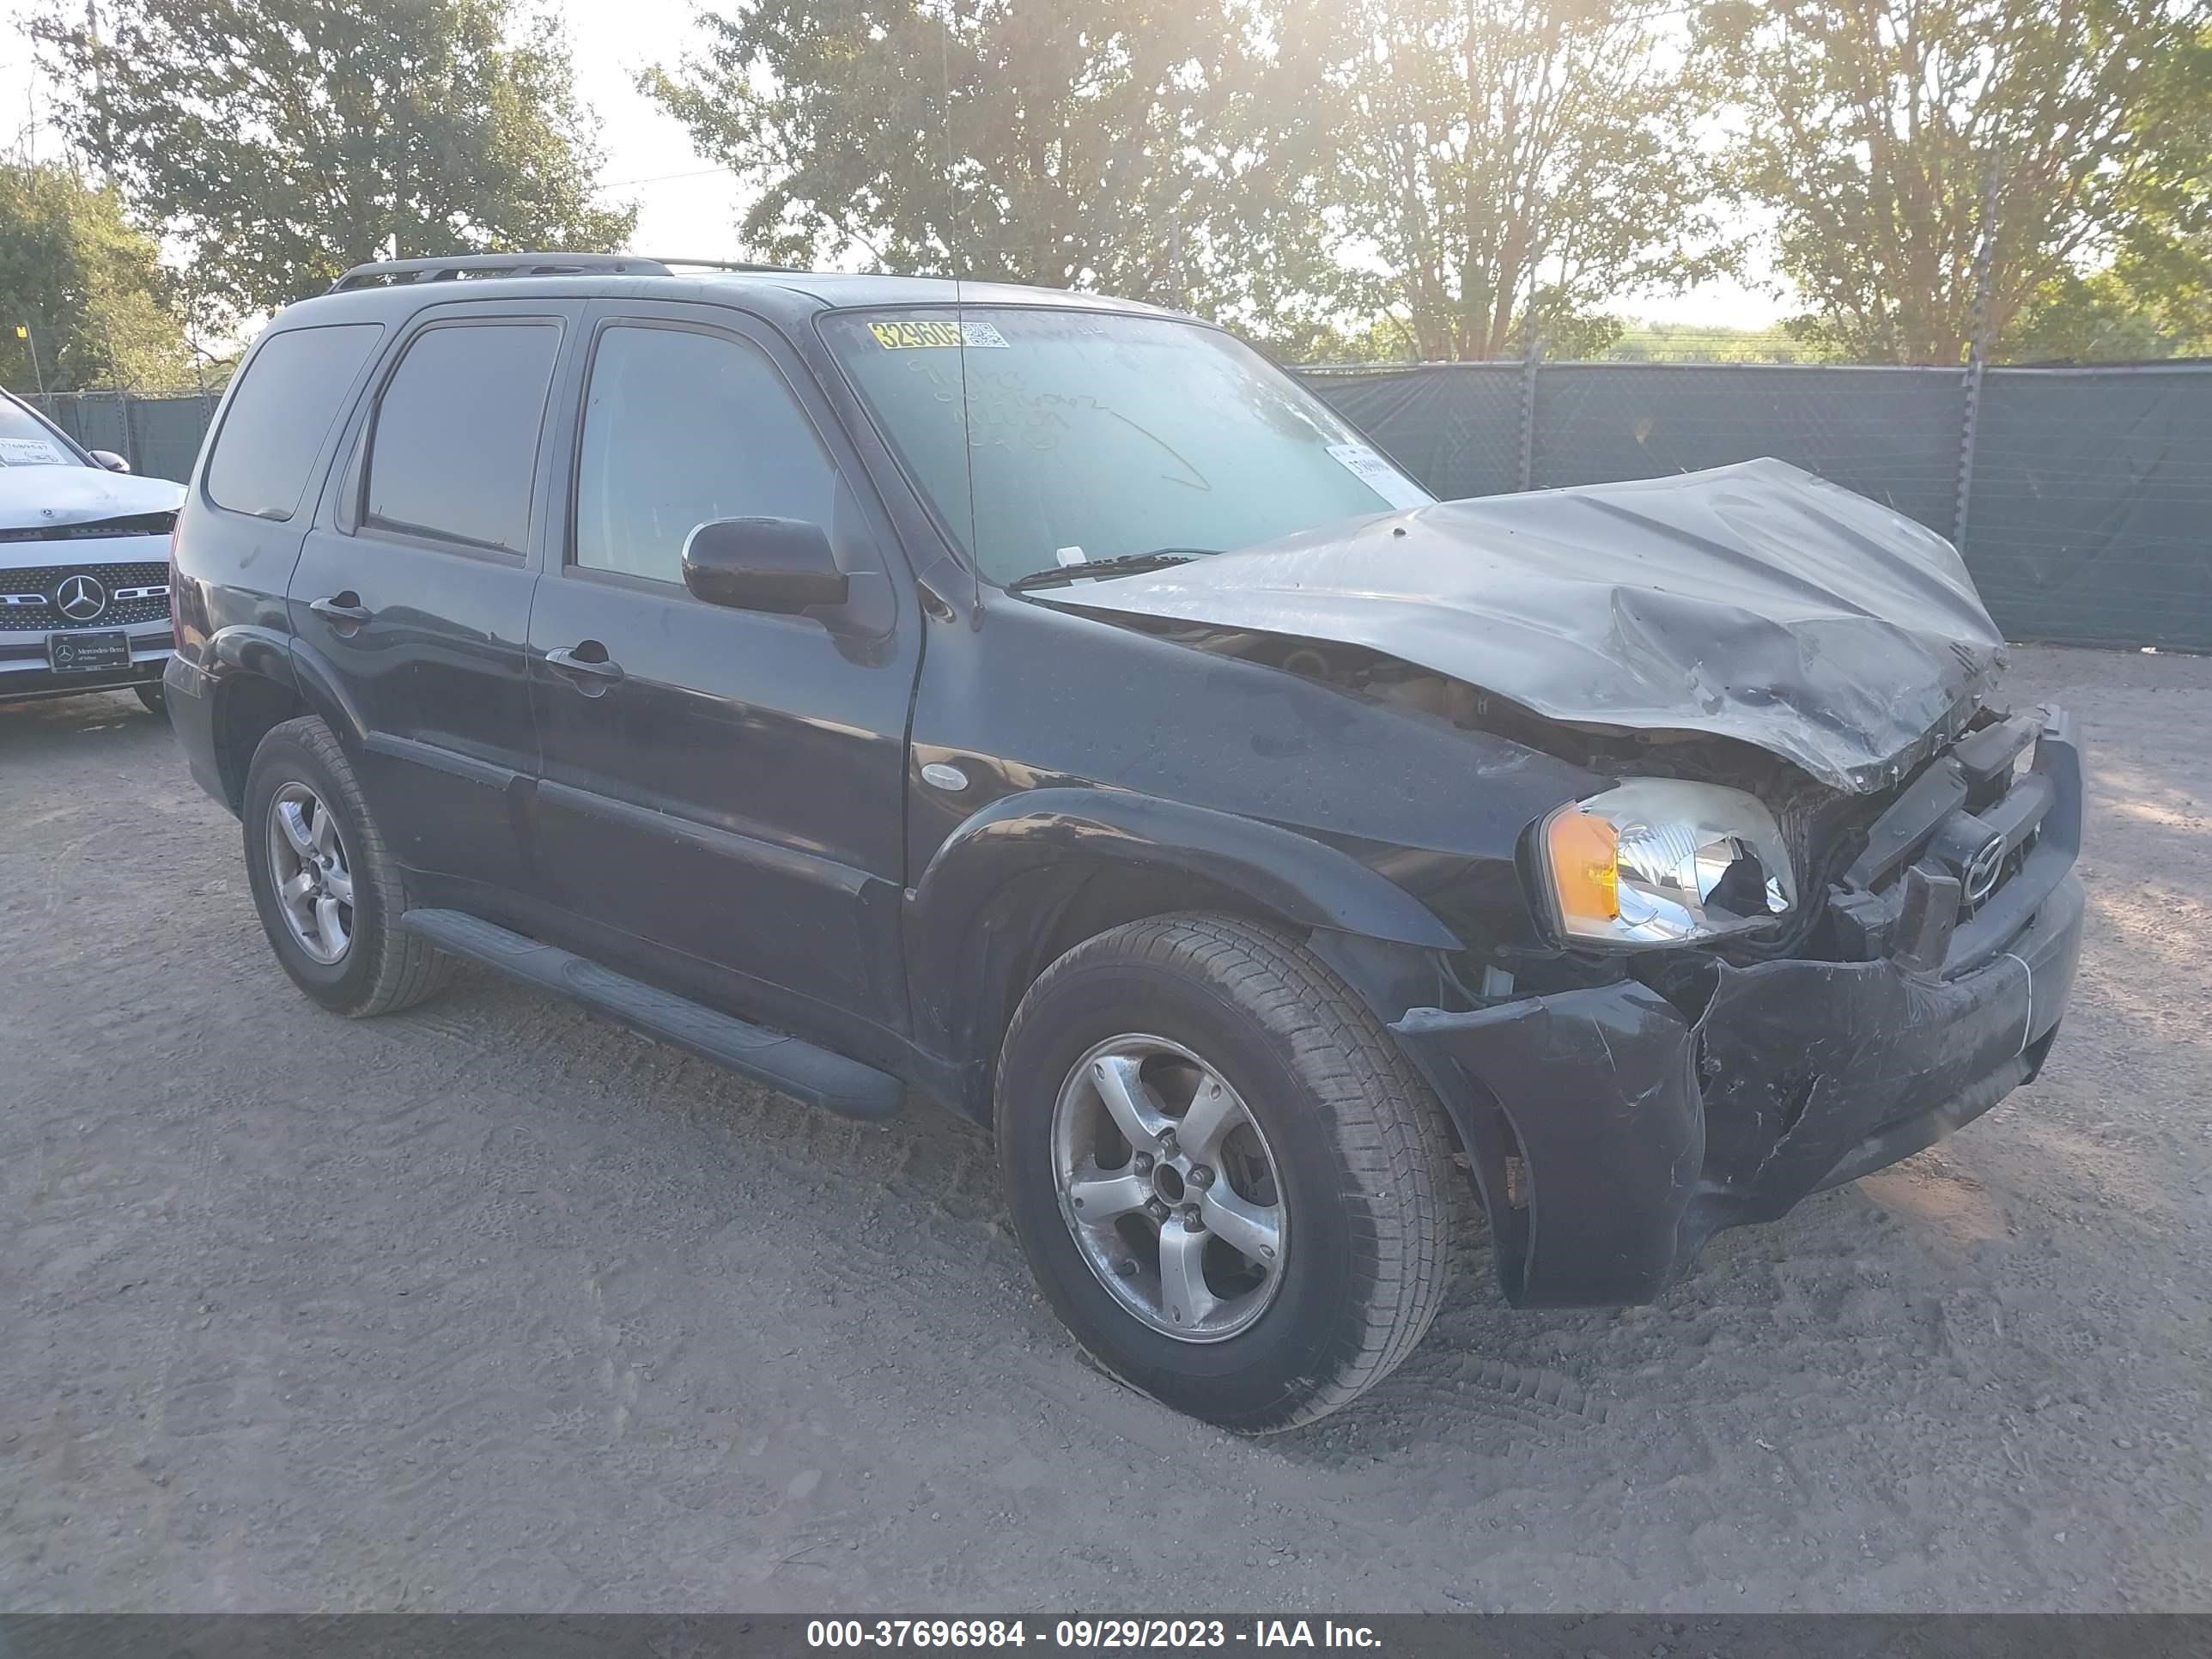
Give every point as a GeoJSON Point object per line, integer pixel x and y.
{"type": "Point", "coordinates": [489, 1306]}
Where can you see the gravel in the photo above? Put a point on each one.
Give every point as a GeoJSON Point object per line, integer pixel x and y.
{"type": "Point", "coordinates": [489, 1306]}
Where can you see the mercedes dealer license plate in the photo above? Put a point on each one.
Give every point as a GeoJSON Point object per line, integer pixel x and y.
{"type": "Point", "coordinates": [79, 653]}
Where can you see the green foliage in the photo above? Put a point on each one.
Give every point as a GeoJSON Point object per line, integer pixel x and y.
{"type": "Point", "coordinates": [1707, 343]}
{"type": "Point", "coordinates": [278, 142]}
{"type": "Point", "coordinates": [1344, 181]}
{"type": "Point", "coordinates": [2124, 313]}
{"type": "Point", "coordinates": [1891, 137]}
{"type": "Point", "coordinates": [1105, 145]}
{"type": "Point", "coordinates": [1481, 149]}
{"type": "Point", "coordinates": [88, 287]}
{"type": "Point", "coordinates": [1385, 339]}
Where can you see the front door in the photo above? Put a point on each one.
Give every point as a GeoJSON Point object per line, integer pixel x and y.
{"type": "Point", "coordinates": [721, 790]}
{"type": "Point", "coordinates": [412, 592]}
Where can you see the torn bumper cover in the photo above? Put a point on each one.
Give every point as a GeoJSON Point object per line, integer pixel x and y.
{"type": "Point", "coordinates": [1626, 1132]}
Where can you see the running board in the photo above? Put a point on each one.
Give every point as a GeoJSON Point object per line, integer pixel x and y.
{"type": "Point", "coordinates": [786, 1064]}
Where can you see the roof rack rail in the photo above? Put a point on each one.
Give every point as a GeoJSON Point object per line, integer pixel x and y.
{"type": "Point", "coordinates": [727, 264]}
{"type": "Point", "coordinates": [495, 264]}
{"type": "Point", "coordinates": [528, 265]}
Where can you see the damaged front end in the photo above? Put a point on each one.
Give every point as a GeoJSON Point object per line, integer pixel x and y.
{"type": "Point", "coordinates": [1820, 910]}
{"type": "Point", "coordinates": [1614, 1128]}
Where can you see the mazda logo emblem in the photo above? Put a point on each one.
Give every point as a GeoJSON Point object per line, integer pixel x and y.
{"type": "Point", "coordinates": [1982, 869]}
{"type": "Point", "coordinates": [79, 599]}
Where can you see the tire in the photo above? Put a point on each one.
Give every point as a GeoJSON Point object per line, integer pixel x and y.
{"type": "Point", "coordinates": [1357, 1161]}
{"type": "Point", "coordinates": [154, 698]}
{"type": "Point", "coordinates": [381, 968]}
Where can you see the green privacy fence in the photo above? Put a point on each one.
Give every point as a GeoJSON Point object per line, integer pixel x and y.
{"type": "Point", "coordinates": [2082, 498]}
{"type": "Point", "coordinates": [159, 436]}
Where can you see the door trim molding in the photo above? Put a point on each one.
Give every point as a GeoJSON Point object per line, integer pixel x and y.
{"type": "Point", "coordinates": [723, 844]}
{"type": "Point", "coordinates": [439, 760]}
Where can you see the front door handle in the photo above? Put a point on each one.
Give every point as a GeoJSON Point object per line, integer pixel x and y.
{"type": "Point", "coordinates": [344, 611]}
{"type": "Point", "coordinates": [587, 664]}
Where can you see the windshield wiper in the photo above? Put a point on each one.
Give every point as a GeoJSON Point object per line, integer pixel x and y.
{"type": "Point", "coordinates": [1127, 564]}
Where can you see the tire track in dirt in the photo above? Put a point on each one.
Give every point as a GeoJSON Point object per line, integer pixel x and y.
{"type": "Point", "coordinates": [489, 1305]}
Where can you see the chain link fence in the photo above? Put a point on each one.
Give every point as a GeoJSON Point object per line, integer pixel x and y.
{"type": "Point", "coordinates": [2082, 498]}
{"type": "Point", "coordinates": [159, 436]}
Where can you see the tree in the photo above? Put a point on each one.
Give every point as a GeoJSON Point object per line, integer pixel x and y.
{"type": "Point", "coordinates": [279, 141]}
{"type": "Point", "coordinates": [1893, 138]}
{"type": "Point", "coordinates": [2119, 314]}
{"type": "Point", "coordinates": [1104, 145]}
{"type": "Point", "coordinates": [88, 290]}
{"type": "Point", "coordinates": [1484, 152]}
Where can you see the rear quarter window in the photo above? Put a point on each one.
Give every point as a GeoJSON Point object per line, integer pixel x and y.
{"type": "Point", "coordinates": [454, 452]}
{"type": "Point", "coordinates": [281, 411]}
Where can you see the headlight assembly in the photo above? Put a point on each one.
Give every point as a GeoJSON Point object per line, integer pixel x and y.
{"type": "Point", "coordinates": [1659, 861]}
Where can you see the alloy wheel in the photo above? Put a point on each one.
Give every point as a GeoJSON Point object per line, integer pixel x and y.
{"type": "Point", "coordinates": [310, 873]}
{"type": "Point", "coordinates": [1169, 1188]}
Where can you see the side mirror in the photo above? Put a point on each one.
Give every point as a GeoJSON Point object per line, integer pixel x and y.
{"type": "Point", "coordinates": [782, 565]}
{"type": "Point", "coordinates": [110, 460]}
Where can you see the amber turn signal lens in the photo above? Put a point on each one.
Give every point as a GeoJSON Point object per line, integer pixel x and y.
{"type": "Point", "coordinates": [1583, 849]}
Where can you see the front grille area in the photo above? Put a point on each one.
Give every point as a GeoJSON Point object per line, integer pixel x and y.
{"type": "Point", "coordinates": [27, 596]}
{"type": "Point", "coordinates": [1972, 814]}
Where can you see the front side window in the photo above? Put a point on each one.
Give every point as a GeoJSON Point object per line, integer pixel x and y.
{"type": "Point", "coordinates": [454, 454]}
{"type": "Point", "coordinates": [681, 427]}
{"type": "Point", "coordinates": [1050, 438]}
{"type": "Point", "coordinates": [279, 414]}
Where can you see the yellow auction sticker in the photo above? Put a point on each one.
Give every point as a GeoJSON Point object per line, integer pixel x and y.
{"type": "Point", "coordinates": [918, 334]}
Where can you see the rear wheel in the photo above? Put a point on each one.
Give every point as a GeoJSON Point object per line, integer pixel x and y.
{"type": "Point", "coordinates": [1232, 1186]}
{"type": "Point", "coordinates": [329, 892]}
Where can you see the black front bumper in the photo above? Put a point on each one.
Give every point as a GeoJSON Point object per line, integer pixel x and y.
{"type": "Point", "coordinates": [1613, 1133]}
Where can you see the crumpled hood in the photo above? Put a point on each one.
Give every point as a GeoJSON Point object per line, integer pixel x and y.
{"type": "Point", "coordinates": [1755, 602]}
{"type": "Point", "coordinates": [37, 497]}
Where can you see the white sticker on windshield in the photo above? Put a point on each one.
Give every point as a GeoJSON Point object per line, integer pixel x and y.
{"type": "Point", "coordinates": [1379, 476]}
{"type": "Point", "coordinates": [29, 452]}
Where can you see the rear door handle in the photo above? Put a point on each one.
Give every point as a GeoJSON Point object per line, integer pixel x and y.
{"type": "Point", "coordinates": [343, 610]}
{"type": "Point", "coordinates": [595, 673]}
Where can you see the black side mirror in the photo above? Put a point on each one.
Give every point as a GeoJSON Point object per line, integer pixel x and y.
{"type": "Point", "coordinates": [782, 565]}
{"type": "Point", "coordinates": [110, 460]}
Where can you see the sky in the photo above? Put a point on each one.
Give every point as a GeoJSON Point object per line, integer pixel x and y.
{"type": "Point", "coordinates": [686, 206]}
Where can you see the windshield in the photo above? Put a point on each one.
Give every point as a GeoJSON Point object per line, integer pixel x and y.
{"type": "Point", "coordinates": [27, 441]}
{"type": "Point", "coordinates": [1091, 436]}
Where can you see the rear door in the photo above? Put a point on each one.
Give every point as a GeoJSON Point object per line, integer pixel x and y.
{"type": "Point", "coordinates": [238, 535]}
{"type": "Point", "coordinates": [722, 789]}
{"type": "Point", "coordinates": [412, 593]}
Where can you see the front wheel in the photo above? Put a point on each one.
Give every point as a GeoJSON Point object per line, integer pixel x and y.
{"type": "Point", "coordinates": [1232, 1186]}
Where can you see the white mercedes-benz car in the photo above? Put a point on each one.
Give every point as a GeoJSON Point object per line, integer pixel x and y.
{"type": "Point", "coordinates": [84, 566]}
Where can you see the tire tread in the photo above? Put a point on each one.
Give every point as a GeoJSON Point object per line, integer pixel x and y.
{"type": "Point", "coordinates": [1388, 1128]}
{"type": "Point", "coordinates": [405, 968]}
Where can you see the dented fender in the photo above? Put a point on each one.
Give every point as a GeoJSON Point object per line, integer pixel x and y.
{"type": "Point", "coordinates": [994, 892]}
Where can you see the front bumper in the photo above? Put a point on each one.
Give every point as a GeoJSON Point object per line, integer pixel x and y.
{"type": "Point", "coordinates": [25, 676]}
{"type": "Point", "coordinates": [1613, 1133]}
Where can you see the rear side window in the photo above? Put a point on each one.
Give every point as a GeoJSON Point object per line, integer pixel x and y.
{"type": "Point", "coordinates": [455, 449]}
{"type": "Point", "coordinates": [279, 413]}
{"type": "Point", "coordinates": [680, 429]}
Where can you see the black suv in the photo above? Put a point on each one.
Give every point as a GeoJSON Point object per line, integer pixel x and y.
{"type": "Point", "coordinates": [1044, 704]}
